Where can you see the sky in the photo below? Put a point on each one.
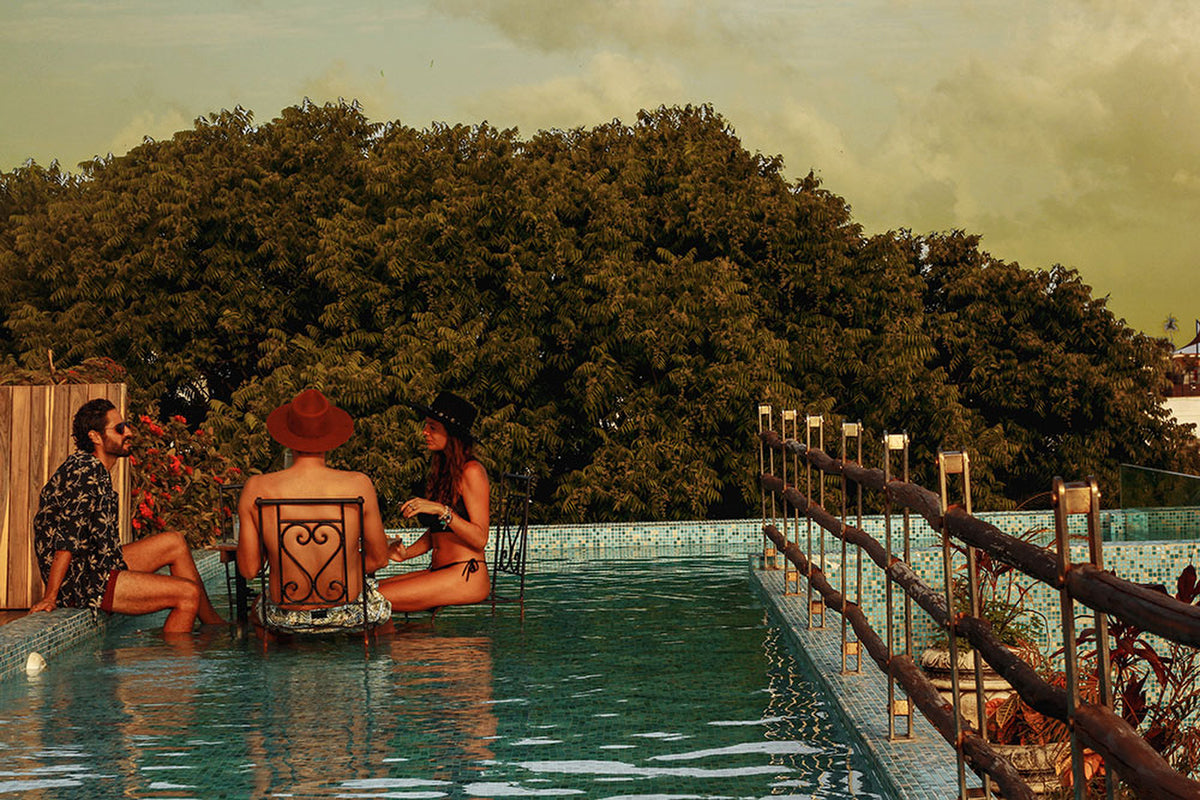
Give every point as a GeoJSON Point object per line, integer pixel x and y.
{"type": "Point", "coordinates": [1061, 131]}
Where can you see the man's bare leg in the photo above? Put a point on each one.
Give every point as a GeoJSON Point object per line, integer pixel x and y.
{"type": "Point", "coordinates": [144, 592]}
{"type": "Point", "coordinates": [171, 550]}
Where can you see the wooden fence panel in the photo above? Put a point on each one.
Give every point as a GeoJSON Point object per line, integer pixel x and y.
{"type": "Point", "coordinates": [5, 481]}
{"type": "Point", "coordinates": [19, 539]}
{"type": "Point", "coordinates": [35, 438]}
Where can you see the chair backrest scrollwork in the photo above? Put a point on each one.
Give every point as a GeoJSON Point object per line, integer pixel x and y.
{"type": "Point", "coordinates": [511, 535]}
{"type": "Point", "coordinates": [318, 541]}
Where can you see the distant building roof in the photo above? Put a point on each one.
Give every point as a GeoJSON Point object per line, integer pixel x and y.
{"type": "Point", "coordinates": [1192, 348]}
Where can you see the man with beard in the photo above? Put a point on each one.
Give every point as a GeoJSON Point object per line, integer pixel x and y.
{"type": "Point", "coordinates": [77, 537]}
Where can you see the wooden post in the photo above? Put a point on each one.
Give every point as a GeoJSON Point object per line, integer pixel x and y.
{"type": "Point", "coordinates": [35, 438]}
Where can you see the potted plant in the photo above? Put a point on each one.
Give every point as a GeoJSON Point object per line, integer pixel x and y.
{"type": "Point", "coordinates": [1002, 605]}
{"type": "Point", "coordinates": [1036, 745]}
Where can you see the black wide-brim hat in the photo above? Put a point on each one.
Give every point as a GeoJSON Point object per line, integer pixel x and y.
{"type": "Point", "coordinates": [310, 423]}
{"type": "Point", "coordinates": [455, 413]}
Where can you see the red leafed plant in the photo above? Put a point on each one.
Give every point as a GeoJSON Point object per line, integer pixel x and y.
{"type": "Point", "coordinates": [1156, 683]}
{"type": "Point", "coordinates": [177, 474]}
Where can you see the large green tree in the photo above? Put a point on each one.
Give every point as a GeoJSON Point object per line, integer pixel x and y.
{"type": "Point", "coordinates": [616, 300]}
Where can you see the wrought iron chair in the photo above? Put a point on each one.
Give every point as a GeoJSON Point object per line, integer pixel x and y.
{"type": "Point", "coordinates": [512, 535]}
{"type": "Point", "coordinates": [326, 525]}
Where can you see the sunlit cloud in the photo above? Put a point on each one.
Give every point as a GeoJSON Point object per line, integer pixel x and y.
{"type": "Point", "coordinates": [153, 24]}
{"type": "Point", "coordinates": [610, 86]}
{"type": "Point", "coordinates": [1077, 148]}
{"type": "Point", "coordinates": [155, 124]}
{"type": "Point", "coordinates": [704, 28]}
{"type": "Point", "coordinates": [339, 81]}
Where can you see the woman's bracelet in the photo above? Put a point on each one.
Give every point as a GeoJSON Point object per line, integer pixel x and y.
{"type": "Point", "coordinates": [447, 515]}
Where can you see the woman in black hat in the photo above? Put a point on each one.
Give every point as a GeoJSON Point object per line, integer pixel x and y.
{"type": "Point", "coordinates": [454, 512]}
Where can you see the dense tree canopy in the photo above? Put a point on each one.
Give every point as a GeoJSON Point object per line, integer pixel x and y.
{"type": "Point", "coordinates": [616, 301]}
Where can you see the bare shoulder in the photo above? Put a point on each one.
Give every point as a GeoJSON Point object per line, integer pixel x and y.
{"type": "Point", "coordinates": [252, 488]}
{"type": "Point", "coordinates": [474, 472]}
{"type": "Point", "coordinates": [360, 483]}
{"type": "Point", "coordinates": [267, 485]}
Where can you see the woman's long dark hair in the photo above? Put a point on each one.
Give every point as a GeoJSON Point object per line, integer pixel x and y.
{"type": "Point", "coordinates": [446, 471]}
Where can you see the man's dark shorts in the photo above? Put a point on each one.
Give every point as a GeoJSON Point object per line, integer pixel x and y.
{"type": "Point", "coordinates": [109, 591]}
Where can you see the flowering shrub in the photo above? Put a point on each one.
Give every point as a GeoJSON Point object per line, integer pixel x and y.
{"type": "Point", "coordinates": [177, 476]}
{"type": "Point", "coordinates": [91, 370]}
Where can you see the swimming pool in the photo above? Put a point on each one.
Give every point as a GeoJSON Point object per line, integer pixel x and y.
{"type": "Point", "coordinates": [627, 679]}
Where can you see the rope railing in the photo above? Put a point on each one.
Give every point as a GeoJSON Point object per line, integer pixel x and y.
{"type": "Point", "coordinates": [1098, 727]}
{"type": "Point", "coordinates": [1150, 610]}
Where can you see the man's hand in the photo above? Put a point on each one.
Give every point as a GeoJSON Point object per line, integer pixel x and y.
{"type": "Point", "coordinates": [47, 603]}
{"type": "Point", "coordinates": [58, 571]}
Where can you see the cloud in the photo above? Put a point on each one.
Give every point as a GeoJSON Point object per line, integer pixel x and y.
{"type": "Point", "coordinates": [340, 81]}
{"type": "Point", "coordinates": [609, 86]}
{"type": "Point", "coordinates": [691, 29]}
{"type": "Point", "coordinates": [155, 124]}
{"type": "Point", "coordinates": [159, 24]}
{"type": "Point", "coordinates": [1076, 146]}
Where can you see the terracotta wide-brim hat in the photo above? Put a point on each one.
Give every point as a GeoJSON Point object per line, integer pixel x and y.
{"type": "Point", "coordinates": [455, 413]}
{"type": "Point", "coordinates": [310, 423]}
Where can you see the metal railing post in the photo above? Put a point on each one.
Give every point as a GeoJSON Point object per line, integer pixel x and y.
{"type": "Point", "coordinates": [1103, 665]}
{"type": "Point", "coordinates": [815, 607]}
{"type": "Point", "coordinates": [894, 443]}
{"type": "Point", "coordinates": [851, 430]}
{"type": "Point", "coordinates": [1069, 499]}
{"type": "Point", "coordinates": [791, 575]}
{"type": "Point", "coordinates": [766, 466]}
{"type": "Point", "coordinates": [955, 463]}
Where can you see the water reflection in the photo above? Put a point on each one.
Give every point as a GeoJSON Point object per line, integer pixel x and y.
{"type": "Point", "coordinates": [443, 693]}
{"type": "Point", "coordinates": [415, 714]}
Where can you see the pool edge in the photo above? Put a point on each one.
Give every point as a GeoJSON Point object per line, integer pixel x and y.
{"type": "Point", "coordinates": [50, 633]}
{"type": "Point", "coordinates": [920, 769]}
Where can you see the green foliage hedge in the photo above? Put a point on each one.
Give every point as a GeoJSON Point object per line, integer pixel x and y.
{"type": "Point", "coordinates": [616, 300]}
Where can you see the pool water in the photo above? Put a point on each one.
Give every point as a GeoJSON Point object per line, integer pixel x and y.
{"type": "Point", "coordinates": [654, 678]}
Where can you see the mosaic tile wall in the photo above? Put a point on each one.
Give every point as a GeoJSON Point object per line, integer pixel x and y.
{"type": "Point", "coordinates": [53, 631]}
{"type": "Point", "coordinates": [1140, 562]}
{"type": "Point", "coordinates": [745, 535]}
{"type": "Point", "coordinates": [739, 536]}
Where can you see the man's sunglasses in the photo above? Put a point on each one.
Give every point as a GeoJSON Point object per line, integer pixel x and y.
{"type": "Point", "coordinates": [120, 428]}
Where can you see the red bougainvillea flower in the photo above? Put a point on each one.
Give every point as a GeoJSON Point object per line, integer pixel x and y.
{"type": "Point", "coordinates": [218, 479]}
{"type": "Point", "coordinates": [145, 511]}
{"type": "Point", "coordinates": [136, 523]}
{"type": "Point", "coordinates": [178, 418]}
